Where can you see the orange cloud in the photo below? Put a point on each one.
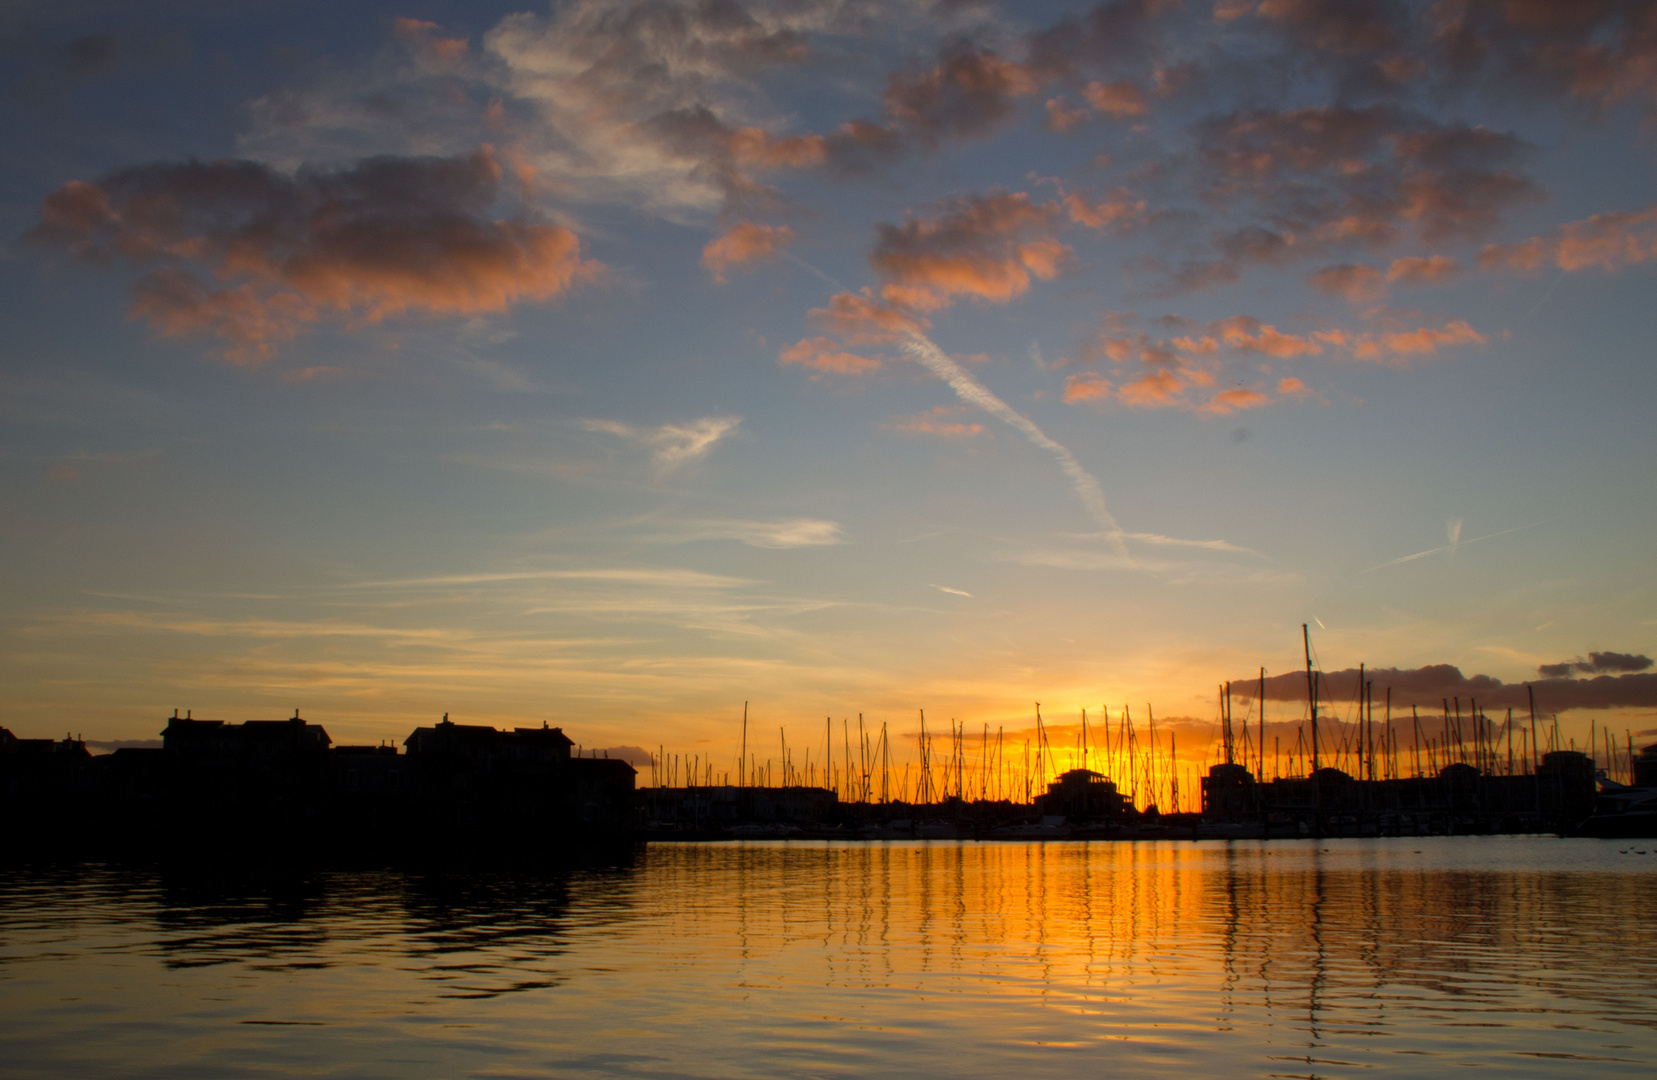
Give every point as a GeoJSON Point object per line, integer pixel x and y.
{"type": "Point", "coordinates": [1608, 241]}
{"type": "Point", "coordinates": [1417, 270]}
{"type": "Point", "coordinates": [311, 374]}
{"type": "Point", "coordinates": [1120, 348]}
{"type": "Point", "coordinates": [743, 243]}
{"type": "Point", "coordinates": [1336, 174]}
{"type": "Point", "coordinates": [1597, 52]}
{"type": "Point", "coordinates": [1451, 204]}
{"type": "Point", "coordinates": [1198, 346]}
{"type": "Point", "coordinates": [1401, 344]}
{"type": "Point", "coordinates": [862, 319]}
{"type": "Point", "coordinates": [927, 281]}
{"type": "Point", "coordinates": [1358, 284]}
{"type": "Point", "coordinates": [1250, 334]}
{"type": "Point", "coordinates": [1119, 99]}
{"type": "Point", "coordinates": [937, 421]}
{"type": "Point", "coordinates": [1120, 208]}
{"type": "Point", "coordinates": [1227, 401]}
{"type": "Point", "coordinates": [1155, 390]}
{"type": "Point", "coordinates": [753, 147]}
{"type": "Point", "coordinates": [421, 37]}
{"type": "Point", "coordinates": [1062, 116]}
{"type": "Point", "coordinates": [824, 357]}
{"type": "Point", "coordinates": [1090, 386]}
{"type": "Point", "coordinates": [236, 249]}
{"type": "Point", "coordinates": [986, 247]}
{"type": "Point", "coordinates": [1175, 368]}
{"type": "Point", "coordinates": [1526, 257]}
{"type": "Point", "coordinates": [1604, 242]}
{"type": "Point", "coordinates": [967, 92]}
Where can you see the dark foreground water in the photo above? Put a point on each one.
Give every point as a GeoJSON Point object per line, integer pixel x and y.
{"type": "Point", "coordinates": [1523, 956]}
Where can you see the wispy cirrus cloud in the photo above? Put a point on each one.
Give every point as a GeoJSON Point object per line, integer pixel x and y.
{"type": "Point", "coordinates": [671, 445]}
{"type": "Point", "coordinates": [944, 420]}
{"type": "Point", "coordinates": [779, 533]}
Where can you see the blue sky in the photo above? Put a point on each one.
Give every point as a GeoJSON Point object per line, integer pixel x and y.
{"type": "Point", "coordinates": [615, 364]}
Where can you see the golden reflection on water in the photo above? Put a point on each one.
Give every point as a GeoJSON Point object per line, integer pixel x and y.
{"type": "Point", "coordinates": [1530, 956]}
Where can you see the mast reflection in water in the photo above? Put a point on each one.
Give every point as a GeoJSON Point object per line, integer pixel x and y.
{"type": "Point", "coordinates": [1335, 958]}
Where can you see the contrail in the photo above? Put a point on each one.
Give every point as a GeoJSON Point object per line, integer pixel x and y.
{"type": "Point", "coordinates": [970, 390]}
{"type": "Point", "coordinates": [1455, 542]}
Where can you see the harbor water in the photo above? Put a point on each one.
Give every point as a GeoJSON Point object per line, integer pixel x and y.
{"type": "Point", "coordinates": [1523, 956]}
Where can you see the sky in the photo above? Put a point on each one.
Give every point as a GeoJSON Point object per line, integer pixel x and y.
{"type": "Point", "coordinates": [616, 365]}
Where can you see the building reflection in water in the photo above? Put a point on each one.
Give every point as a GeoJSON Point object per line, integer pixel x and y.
{"type": "Point", "coordinates": [1286, 958]}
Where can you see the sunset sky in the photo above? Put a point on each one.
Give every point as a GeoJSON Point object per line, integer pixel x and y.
{"type": "Point", "coordinates": [614, 364]}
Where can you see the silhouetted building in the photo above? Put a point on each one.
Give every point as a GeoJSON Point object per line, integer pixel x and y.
{"type": "Point", "coordinates": [45, 783]}
{"type": "Point", "coordinates": [262, 772]}
{"type": "Point", "coordinates": [1565, 786]}
{"type": "Point", "coordinates": [1645, 767]}
{"type": "Point", "coordinates": [1082, 795]}
{"type": "Point", "coordinates": [471, 775]}
{"type": "Point", "coordinates": [242, 788]}
{"type": "Point", "coordinates": [1228, 794]}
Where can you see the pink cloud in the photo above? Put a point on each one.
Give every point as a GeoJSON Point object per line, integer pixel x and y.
{"type": "Point", "coordinates": [1421, 341]}
{"type": "Point", "coordinates": [1604, 242]}
{"type": "Point", "coordinates": [755, 148]}
{"type": "Point", "coordinates": [1154, 390]}
{"type": "Point", "coordinates": [254, 256]}
{"type": "Point", "coordinates": [1122, 100]}
{"type": "Point", "coordinates": [1121, 207]}
{"type": "Point", "coordinates": [822, 356]}
{"type": "Point", "coordinates": [967, 92]}
{"type": "Point", "coordinates": [743, 243]}
{"type": "Point", "coordinates": [986, 247]}
{"type": "Point", "coordinates": [1417, 270]}
{"type": "Point", "coordinates": [1089, 386]}
{"type": "Point", "coordinates": [1358, 284]}
{"type": "Point", "coordinates": [1250, 334]}
{"type": "Point", "coordinates": [937, 421]}
{"type": "Point", "coordinates": [861, 318]}
{"type": "Point", "coordinates": [1227, 401]}
{"type": "Point", "coordinates": [1063, 117]}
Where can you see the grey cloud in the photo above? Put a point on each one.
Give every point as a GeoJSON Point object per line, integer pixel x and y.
{"type": "Point", "coordinates": [94, 54]}
{"type": "Point", "coordinates": [1433, 684]}
{"type": "Point", "coordinates": [967, 92]}
{"type": "Point", "coordinates": [254, 256]}
{"type": "Point", "coordinates": [1597, 663]}
{"type": "Point", "coordinates": [1596, 51]}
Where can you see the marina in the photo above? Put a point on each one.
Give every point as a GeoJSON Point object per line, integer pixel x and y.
{"type": "Point", "coordinates": [1340, 958]}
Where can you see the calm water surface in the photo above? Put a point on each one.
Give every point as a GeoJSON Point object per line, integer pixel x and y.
{"type": "Point", "coordinates": [1527, 957]}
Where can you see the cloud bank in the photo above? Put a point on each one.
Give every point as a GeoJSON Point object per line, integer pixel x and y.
{"type": "Point", "coordinates": [253, 256]}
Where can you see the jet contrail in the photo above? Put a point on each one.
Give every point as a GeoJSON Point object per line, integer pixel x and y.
{"type": "Point", "coordinates": [970, 390]}
{"type": "Point", "coordinates": [1455, 542]}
